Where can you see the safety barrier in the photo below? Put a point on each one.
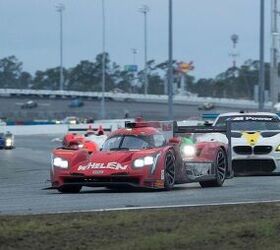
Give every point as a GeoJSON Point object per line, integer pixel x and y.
{"type": "Point", "coordinates": [29, 123]}
{"type": "Point", "coordinates": [178, 99]}
{"type": "Point", "coordinates": [38, 129]}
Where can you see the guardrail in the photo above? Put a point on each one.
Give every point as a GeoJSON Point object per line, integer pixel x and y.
{"type": "Point", "coordinates": [178, 99]}
{"type": "Point", "coordinates": [62, 129]}
{"type": "Point", "coordinates": [38, 129]}
{"type": "Point", "coordinates": [29, 123]}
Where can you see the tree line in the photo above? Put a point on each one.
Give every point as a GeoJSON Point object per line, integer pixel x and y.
{"type": "Point", "coordinates": [235, 82]}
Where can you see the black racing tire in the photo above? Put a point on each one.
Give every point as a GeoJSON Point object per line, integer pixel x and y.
{"type": "Point", "coordinates": [70, 189]}
{"type": "Point", "coordinates": [221, 170]}
{"type": "Point", "coordinates": [169, 171]}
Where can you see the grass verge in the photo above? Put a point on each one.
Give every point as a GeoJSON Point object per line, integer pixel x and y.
{"type": "Point", "coordinates": [222, 227]}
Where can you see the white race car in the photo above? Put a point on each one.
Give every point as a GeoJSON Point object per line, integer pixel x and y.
{"type": "Point", "coordinates": [255, 142]}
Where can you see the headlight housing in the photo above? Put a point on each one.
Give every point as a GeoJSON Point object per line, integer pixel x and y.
{"type": "Point", "coordinates": [188, 151]}
{"type": "Point", "coordinates": [277, 148]}
{"type": "Point", "coordinates": [141, 162]}
{"type": "Point", "coordinates": [8, 142]}
{"type": "Point", "coordinates": [60, 163]}
{"type": "Point", "coordinates": [73, 122]}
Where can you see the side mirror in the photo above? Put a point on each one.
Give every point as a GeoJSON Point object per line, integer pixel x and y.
{"type": "Point", "coordinates": [174, 140]}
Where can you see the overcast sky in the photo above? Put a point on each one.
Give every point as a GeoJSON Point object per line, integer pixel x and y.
{"type": "Point", "coordinates": [29, 29]}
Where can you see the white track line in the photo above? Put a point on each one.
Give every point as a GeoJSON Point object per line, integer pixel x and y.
{"type": "Point", "coordinates": [161, 207]}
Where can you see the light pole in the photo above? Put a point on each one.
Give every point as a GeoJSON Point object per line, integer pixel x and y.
{"type": "Point", "coordinates": [261, 68]}
{"type": "Point", "coordinates": [274, 53]}
{"type": "Point", "coordinates": [103, 111]}
{"type": "Point", "coordinates": [134, 52]}
{"type": "Point", "coordinates": [170, 63]}
{"type": "Point", "coordinates": [60, 8]}
{"type": "Point", "coordinates": [234, 38]}
{"type": "Point", "coordinates": [145, 9]}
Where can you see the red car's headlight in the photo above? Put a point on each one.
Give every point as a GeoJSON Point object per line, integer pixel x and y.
{"type": "Point", "coordinates": [60, 163]}
{"type": "Point", "coordinates": [141, 162]}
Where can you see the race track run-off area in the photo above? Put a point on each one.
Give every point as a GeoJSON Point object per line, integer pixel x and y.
{"type": "Point", "coordinates": [25, 174]}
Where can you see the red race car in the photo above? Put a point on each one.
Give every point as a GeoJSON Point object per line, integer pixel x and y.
{"type": "Point", "coordinates": [140, 156]}
{"type": "Point", "coordinates": [91, 140]}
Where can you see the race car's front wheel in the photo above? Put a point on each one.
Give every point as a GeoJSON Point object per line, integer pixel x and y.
{"type": "Point", "coordinates": [169, 171]}
{"type": "Point", "coordinates": [221, 169]}
{"type": "Point", "coordinates": [70, 189]}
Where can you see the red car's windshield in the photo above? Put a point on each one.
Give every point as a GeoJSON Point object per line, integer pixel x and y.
{"type": "Point", "coordinates": [132, 142]}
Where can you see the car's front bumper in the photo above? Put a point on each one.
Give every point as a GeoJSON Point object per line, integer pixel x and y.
{"type": "Point", "coordinates": [137, 181]}
{"type": "Point", "coordinates": [256, 164]}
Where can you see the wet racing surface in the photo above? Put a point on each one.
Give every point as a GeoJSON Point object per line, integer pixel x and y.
{"type": "Point", "coordinates": [25, 171]}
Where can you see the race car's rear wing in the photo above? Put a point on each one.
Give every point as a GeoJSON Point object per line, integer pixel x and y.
{"type": "Point", "coordinates": [165, 127]}
{"type": "Point", "coordinates": [107, 125]}
{"type": "Point", "coordinates": [209, 116]}
{"type": "Point", "coordinates": [198, 129]}
{"type": "Point", "coordinates": [83, 128]}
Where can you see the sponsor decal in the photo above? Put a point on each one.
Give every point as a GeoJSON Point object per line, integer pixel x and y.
{"type": "Point", "coordinates": [251, 138]}
{"type": "Point", "coordinates": [235, 119]}
{"type": "Point", "coordinates": [258, 118]}
{"type": "Point", "coordinates": [251, 118]}
{"type": "Point", "coordinates": [162, 174]}
{"type": "Point", "coordinates": [97, 172]}
{"type": "Point", "coordinates": [95, 165]}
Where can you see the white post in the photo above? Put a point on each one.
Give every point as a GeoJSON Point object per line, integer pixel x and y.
{"type": "Point", "coordinates": [261, 69]}
{"type": "Point", "coordinates": [103, 112]}
{"type": "Point", "coordinates": [145, 9]}
{"type": "Point", "coordinates": [170, 62]}
{"type": "Point", "coordinates": [60, 8]}
{"type": "Point", "coordinates": [274, 78]}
